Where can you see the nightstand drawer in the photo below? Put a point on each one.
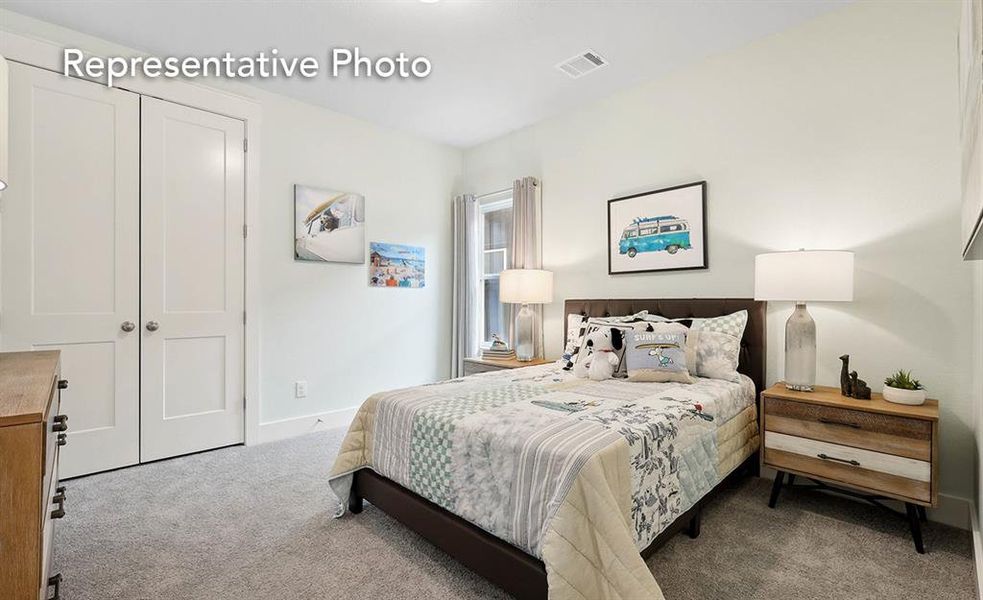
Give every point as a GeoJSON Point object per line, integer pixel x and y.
{"type": "Point", "coordinates": [857, 476]}
{"type": "Point", "coordinates": [889, 434]}
{"type": "Point", "coordinates": [473, 368]}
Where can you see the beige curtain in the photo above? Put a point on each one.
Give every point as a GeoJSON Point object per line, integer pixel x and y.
{"type": "Point", "coordinates": [465, 329]}
{"type": "Point", "coordinates": [526, 246]}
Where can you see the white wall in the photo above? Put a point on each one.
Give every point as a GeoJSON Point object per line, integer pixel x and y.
{"type": "Point", "coordinates": [840, 133]}
{"type": "Point", "coordinates": [321, 322]}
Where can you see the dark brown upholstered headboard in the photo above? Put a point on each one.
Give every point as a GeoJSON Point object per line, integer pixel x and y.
{"type": "Point", "coordinates": [752, 362]}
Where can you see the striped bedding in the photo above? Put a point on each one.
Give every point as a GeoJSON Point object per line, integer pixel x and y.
{"type": "Point", "coordinates": [503, 449]}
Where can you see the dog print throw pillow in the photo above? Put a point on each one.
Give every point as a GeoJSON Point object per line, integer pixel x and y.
{"type": "Point", "coordinates": [658, 355]}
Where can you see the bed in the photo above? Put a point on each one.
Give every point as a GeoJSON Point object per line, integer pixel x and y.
{"type": "Point", "coordinates": [551, 504]}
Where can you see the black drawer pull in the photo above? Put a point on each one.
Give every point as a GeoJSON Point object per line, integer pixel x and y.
{"type": "Point", "coordinates": [62, 439]}
{"type": "Point", "coordinates": [61, 423]}
{"type": "Point", "coordinates": [842, 460]}
{"type": "Point", "coordinates": [59, 499]}
{"type": "Point", "coordinates": [62, 384]}
{"type": "Point", "coordinates": [55, 580]}
{"type": "Point", "coordinates": [841, 423]}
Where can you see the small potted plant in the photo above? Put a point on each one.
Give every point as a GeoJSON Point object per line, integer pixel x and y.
{"type": "Point", "coordinates": [900, 388]}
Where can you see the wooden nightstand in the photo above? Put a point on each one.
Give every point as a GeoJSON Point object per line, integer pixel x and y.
{"type": "Point", "coordinates": [870, 449]}
{"type": "Point", "coordinates": [482, 365]}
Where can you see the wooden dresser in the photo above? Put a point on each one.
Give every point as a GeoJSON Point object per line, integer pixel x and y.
{"type": "Point", "coordinates": [873, 448]}
{"type": "Point", "coordinates": [31, 431]}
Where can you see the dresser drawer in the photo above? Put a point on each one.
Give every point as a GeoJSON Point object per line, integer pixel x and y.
{"type": "Point", "coordinates": [875, 471]}
{"type": "Point", "coordinates": [49, 479]}
{"type": "Point", "coordinates": [48, 531]}
{"type": "Point", "coordinates": [889, 434]}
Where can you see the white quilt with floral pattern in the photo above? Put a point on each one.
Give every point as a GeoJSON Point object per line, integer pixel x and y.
{"type": "Point", "coordinates": [501, 449]}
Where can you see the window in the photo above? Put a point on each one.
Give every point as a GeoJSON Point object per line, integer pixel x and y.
{"type": "Point", "coordinates": [495, 224]}
{"type": "Point", "coordinates": [671, 228]}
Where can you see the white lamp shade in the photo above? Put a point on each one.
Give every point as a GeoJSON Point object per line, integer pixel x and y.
{"type": "Point", "coordinates": [804, 275]}
{"type": "Point", "coordinates": [525, 286]}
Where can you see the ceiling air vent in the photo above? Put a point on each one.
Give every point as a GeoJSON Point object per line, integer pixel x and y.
{"type": "Point", "coordinates": [582, 64]}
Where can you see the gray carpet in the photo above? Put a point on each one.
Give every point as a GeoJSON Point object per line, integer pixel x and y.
{"type": "Point", "coordinates": [254, 523]}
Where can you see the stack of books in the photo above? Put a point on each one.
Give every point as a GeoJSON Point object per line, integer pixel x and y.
{"type": "Point", "coordinates": [497, 354]}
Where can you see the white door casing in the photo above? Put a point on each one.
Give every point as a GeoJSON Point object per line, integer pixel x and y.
{"type": "Point", "coordinates": [70, 248]}
{"type": "Point", "coordinates": [192, 280]}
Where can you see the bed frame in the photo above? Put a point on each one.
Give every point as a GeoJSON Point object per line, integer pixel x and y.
{"type": "Point", "coordinates": [521, 574]}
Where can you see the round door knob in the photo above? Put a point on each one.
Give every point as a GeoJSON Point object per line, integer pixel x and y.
{"type": "Point", "coordinates": [128, 326]}
{"type": "Point", "coordinates": [153, 325]}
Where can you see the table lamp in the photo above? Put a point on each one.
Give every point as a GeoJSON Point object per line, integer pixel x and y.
{"type": "Point", "coordinates": [525, 287]}
{"type": "Point", "coordinates": [804, 275]}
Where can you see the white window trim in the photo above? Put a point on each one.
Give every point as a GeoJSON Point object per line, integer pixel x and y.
{"type": "Point", "coordinates": [489, 203]}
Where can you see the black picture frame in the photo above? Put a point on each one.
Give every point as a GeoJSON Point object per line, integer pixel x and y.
{"type": "Point", "coordinates": [703, 219]}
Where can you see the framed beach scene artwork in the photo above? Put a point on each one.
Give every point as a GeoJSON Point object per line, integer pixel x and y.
{"type": "Point", "coordinates": [396, 265]}
{"type": "Point", "coordinates": [329, 226]}
{"type": "Point", "coordinates": [662, 230]}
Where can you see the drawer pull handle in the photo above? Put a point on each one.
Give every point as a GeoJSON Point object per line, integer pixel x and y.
{"type": "Point", "coordinates": [61, 423]}
{"type": "Point", "coordinates": [840, 423]}
{"type": "Point", "coordinates": [62, 384]}
{"type": "Point", "coordinates": [842, 460]}
{"type": "Point", "coordinates": [55, 581]}
{"type": "Point", "coordinates": [62, 439]}
{"type": "Point", "coordinates": [59, 499]}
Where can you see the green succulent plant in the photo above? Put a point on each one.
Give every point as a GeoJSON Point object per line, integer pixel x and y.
{"type": "Point", "coordinates": [903, 381]}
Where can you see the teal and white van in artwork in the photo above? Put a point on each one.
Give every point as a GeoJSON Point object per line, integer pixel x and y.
{"type": "Point", "coordinates": [651, 234]}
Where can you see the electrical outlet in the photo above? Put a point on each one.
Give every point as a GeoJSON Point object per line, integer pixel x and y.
{"type": "Point", "coordinates": [300, 389]}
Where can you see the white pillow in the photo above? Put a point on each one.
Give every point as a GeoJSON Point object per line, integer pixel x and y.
{"type": "Point", "coordinates": [732, 324]}
{"type": "Point", "coordinates": [717, 355]}
{"type": "Point", "coordinates": [576, 327]}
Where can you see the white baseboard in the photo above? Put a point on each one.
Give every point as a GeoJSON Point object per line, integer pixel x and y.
{"type": "Point", "coordinates": [294, 426]}
{"type": "Point", "coordinates": [952, 510]}
{"type": "Point", "coordinates": [977, 549]}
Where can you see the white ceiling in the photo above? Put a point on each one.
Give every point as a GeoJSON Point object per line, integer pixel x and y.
{"type": "Point", "coordinates": [493, 61]}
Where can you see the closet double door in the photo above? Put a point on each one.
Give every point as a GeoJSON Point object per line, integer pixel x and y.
{"type": "Point", "coordinates": [122, 246]}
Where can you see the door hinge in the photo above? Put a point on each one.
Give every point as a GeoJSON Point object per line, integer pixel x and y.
{"type": "Point", "coordinates": [243, 317]}
{"type": "Point", "coordinates": [245, 230]}
{"type": "Point", "coordinates": [245, 144]}
{"type": "Point", "coordinates": [244, 402]}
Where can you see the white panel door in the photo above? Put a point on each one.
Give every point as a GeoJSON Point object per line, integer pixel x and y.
{"type": "Point", "coordinates": [192, 215]}
{"type": "Point", "coordinates": [70, 254]}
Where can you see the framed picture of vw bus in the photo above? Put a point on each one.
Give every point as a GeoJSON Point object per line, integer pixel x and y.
{"type": "Point", "coordinates": [662, 230]}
